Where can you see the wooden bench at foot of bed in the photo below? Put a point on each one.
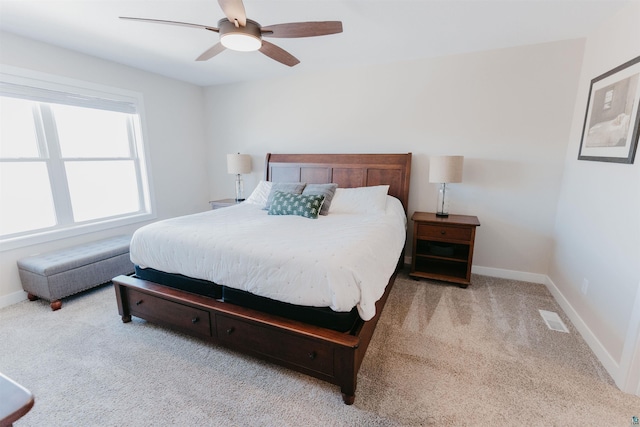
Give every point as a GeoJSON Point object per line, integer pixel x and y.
{"type": "Point", "coordinates": [331, 356]}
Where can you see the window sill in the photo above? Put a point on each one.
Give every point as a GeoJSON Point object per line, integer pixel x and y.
{"type": "Point", "coordinates": [77, 230]}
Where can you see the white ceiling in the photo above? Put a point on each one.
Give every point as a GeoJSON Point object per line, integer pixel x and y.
{"type": "Point", "coordinates": [375, 32]}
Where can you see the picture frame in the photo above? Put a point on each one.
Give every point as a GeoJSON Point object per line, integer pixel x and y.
{"type": "Point", "coordinates": [612, 120]}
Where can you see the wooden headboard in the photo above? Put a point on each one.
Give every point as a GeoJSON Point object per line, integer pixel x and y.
{"type": "Point", "coordinates": [346, 170]}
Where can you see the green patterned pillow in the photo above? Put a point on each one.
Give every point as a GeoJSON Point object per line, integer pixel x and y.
{"type": "Point", "coordinates": [306, 205]}
{"type": "Point", "coordinates": [285, 187]}
{"type": "Point", "coordinates": [326, 190]}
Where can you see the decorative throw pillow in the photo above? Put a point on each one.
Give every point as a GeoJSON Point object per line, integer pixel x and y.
{"type": "Point", "coordinates": [285, 187]}
{"type": "Point", "coordinates": [308, 205]}
{"type": "Point", "coordinates": [326, 190]}
{"type": "Point", "coordinates": [260, 195]}
{"type": "Point", "coordinates": [361, 200]}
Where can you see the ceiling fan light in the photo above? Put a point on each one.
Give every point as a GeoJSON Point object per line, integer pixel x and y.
{"type": "Point", "coordinates": [240, 42]}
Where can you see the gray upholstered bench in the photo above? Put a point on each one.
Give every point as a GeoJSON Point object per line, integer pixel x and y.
{"type": "Point", "coordinates": [55, 275]}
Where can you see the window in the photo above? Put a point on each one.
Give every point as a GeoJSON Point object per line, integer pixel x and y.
{"type": "Point", "coordinates": [608, 98]}
{"type": "Point", "coordinates": [71, 158]}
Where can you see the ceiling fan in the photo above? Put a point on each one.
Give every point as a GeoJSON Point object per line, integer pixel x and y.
{"type": "Point", "coordinates": [242, 34]}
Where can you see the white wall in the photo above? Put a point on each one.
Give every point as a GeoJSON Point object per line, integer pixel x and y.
{"type": "Point", "coordinates": [175, 138]}
{"type": "Point", "coordinates": [507, 111]}
{"type": "Point", "coordinates": [597, 231]}
{"type": "Point", "coordinates": [515, 114]}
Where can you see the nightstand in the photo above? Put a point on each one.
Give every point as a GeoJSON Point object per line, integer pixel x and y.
{"type": "Point", "coordinates": [443, 247]}
{"type": "Point", "coordinates": [224, 203]}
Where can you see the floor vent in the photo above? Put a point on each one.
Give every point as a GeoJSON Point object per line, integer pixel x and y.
{"type": "Point", "coordinates": [553, 321]}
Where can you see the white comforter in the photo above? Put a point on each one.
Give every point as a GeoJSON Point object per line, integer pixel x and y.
{"type": "Point", "coordinates": [337, 261]}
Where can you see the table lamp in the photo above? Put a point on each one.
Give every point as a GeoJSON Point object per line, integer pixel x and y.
{"type": "Point", "coordinates": [239, 164]}
{"type": "Point", "coordinates": [444, 170]}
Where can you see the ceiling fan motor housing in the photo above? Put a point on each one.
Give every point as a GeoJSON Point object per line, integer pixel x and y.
{"type": "Point", "coordinates": [247, 38]}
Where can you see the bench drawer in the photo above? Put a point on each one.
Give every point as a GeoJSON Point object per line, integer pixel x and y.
{"type": "Point", "coordinates": [182, 317]}
{"type": "Point", "coordinates": [275, 344]}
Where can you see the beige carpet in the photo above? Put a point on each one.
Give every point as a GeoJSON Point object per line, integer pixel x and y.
{"type": "Point", "coordinates": [440, 356]}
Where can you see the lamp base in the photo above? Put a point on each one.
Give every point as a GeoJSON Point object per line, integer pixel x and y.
{"type": "Point", "coordinates": [239, 188]}
{"type": "Point", "coordinates": [442, 209]}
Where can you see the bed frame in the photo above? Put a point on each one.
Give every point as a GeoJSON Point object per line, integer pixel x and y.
{"type": "Point", "coordinates": [331, 356]}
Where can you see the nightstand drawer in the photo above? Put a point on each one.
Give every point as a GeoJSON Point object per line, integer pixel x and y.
{"type": "Point", "coordinates": [444, 232]}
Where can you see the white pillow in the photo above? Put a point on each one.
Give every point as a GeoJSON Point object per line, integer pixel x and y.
{"type": "Point", "coordinates": [260, 194]}
{"type": "Point", "coordinates": [362, 200]}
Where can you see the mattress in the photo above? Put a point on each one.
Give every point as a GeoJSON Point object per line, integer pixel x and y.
{"type": "Point", "coordinates": [178, 281]}
{"type": "Point", "coordinates": [341, 261]}
{"type": "Point", "coordinates": [317, 316]}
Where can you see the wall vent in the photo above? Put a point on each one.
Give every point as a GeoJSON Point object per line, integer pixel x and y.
{"type": "Point", "coordinates": [553, 321]}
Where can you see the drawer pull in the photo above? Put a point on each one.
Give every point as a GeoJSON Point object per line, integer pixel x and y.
{"type": "Point", "coordinates": [139, 302]}
{"type": "Point", "coordinates": [443, 232]}
{"type": "Point", "coordinates": [230, 330]}
{"type": "Point", "coordinates": [195, 320]}
{"type": "Point", "coordinates": [312, 355]}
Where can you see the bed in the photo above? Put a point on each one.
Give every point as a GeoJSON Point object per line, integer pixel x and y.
{"type": "Point", "coordinates": [321, 337]}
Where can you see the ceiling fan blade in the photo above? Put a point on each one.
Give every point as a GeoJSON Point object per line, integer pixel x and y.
{"type": "Point", "coordinates": [211, 52]}
{"type": "Point", "coordinates": [234, 10]}
{"type": "Point", "coordinates": [162, 21]}
{"type": "Point", "coordinates": [279, 54]}
{"type": "Point", "coordinates": [302, 29]}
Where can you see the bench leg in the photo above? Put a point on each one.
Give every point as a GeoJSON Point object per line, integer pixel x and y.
{"type": "Point", "coordinates": [31, 296]}
{"type": "Point", "coordinates": [56, 305]}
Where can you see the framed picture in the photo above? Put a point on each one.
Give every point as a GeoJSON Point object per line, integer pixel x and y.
{"type": "Point", "coordinates": [610, 132]}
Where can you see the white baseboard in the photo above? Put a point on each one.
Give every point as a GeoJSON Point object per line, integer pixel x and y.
{"type": "Point", "coordinates": [629, 372]}
{"type": "Point", "coordinates": [13, 298]}
{"type": "Point", "coordinates": [502, 273]}
{"type": "Point", "coordinates": [609, 363]}
{"type": "Point", "coordinates": [510, 274]}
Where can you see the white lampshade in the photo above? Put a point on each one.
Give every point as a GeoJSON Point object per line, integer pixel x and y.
{"type": "Point", "coordinates": [238, 163]}
{"type": "Point", "coordinates": [445, 169]}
